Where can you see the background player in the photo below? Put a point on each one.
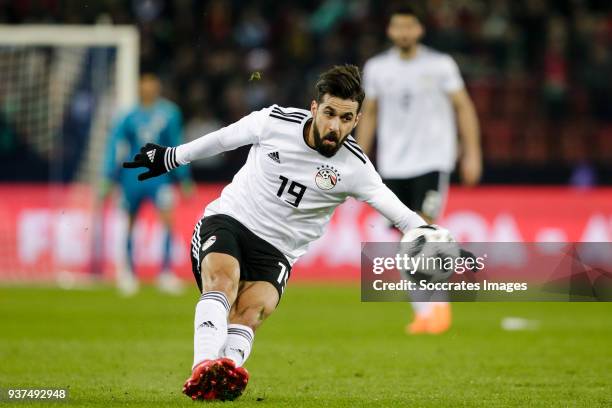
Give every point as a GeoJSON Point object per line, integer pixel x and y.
{"type": "Point", "coordinates": [415, 102]}
{"type": "Point", "coordinates": [301, 166]}
{"type": "Point", "coordinates": [153, 119]}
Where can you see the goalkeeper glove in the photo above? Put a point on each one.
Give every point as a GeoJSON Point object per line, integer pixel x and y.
{"type": "Point", "coordinates": [158, 159]}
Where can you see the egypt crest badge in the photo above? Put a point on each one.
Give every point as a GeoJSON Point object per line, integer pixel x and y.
{"type": "Point", "coordinates": [327, 177]}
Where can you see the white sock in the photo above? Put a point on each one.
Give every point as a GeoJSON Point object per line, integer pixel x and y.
{"type": "Point", "coordinates": [425, 308]}
{"type": "Point", "coordinates": [210, 326]}
{"type": "Point", "coordinates": [239, 343]}
{"type": "Point", "coordinates": [422, 308]}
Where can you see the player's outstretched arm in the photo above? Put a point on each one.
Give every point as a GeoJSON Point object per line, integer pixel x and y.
{"type": "Point", "coordinates": [161, 159]}
{"type": "Point", "coordinates": [372, 190]}
{"type": "Point", "coordinates": [157, 159]}
{"type": "Point", "coordinates": [369, 187]}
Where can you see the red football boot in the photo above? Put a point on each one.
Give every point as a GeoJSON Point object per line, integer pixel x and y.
{"type": "Point", "coordinates": [197, 386]}
{"type": "Point", "coordinates": [237, 381]}
{"type": "Point", "coordinates": [216, 379]}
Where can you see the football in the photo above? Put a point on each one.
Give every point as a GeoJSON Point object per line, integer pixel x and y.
{"type": "Point", "coordinates": [434, 248]}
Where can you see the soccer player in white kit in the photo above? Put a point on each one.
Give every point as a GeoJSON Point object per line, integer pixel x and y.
{"type": "Point", "coordinates": [301, 166]}
{"type": "Point", "coordinates": [415, 102]}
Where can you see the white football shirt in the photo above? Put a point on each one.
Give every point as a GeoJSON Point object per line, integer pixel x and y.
{"type": "Point", "coordinates": [286, 192]}
{"type": "Point", "coordinates": [416, 127]}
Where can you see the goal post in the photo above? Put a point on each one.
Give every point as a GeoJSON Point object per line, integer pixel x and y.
{"type": "Point", "coordinates": [61, 86]}
{"type": "Point", "coordinates": [124, 38]}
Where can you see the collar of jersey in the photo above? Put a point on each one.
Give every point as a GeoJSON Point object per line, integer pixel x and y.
{"type": "Point", "coordinates": [396, 53]}
{"type": "Point", "coordinates": [308, 119]}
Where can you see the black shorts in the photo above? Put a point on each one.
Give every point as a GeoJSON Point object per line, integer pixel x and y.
{"type": "Point", "coordinates": [259, 260]}
{"type": "Point", "coordinates": [425, 194]}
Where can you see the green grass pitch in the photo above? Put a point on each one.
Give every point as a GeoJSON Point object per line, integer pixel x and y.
{"type": "Point", "coordinates": [321, 348]}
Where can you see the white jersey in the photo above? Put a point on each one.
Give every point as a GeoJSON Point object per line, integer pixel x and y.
{"type": "Point", "coordinates": [416, 127]}
{"type": "Point", "coordinates": [287, 191]}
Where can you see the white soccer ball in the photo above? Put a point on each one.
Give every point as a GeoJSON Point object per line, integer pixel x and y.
{"type": "Point", "coordinates": [431, 233]}
{"type": "Point", "coordinates": [434, 249]}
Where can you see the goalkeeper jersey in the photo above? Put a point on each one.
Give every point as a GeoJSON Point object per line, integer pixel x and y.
{"type": "Point", "coordinates": [287, 191]}
{"type": "Point", "coordinates": [159, 123]}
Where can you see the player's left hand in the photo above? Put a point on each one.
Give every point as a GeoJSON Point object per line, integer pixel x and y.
{"type": "Point", "coordinates": [471, 169]}
{"type": "Point", "coordinates": [158, 159]}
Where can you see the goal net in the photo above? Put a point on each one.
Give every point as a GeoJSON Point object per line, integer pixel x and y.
{"type": "Point", "coordinates": [60, 88]}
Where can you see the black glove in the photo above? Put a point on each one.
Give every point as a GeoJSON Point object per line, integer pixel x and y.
{"type": "Point", "coordinates": [158, 159]}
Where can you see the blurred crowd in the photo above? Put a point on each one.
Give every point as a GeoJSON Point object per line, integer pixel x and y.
{"type": "Point", "coordinates": [538, 71]}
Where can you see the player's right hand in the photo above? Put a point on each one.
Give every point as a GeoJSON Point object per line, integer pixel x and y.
{"type": "Point", "coordinates": [158, 159]}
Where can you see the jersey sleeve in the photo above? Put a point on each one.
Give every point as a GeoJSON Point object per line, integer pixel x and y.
{"type": "Point", "coordinates": [110, 168]}
{"type": "Point", "coordinates": [451, 76]}
{"type": "Point", "coordinates": [246, 131]}
{"type": "Point", "coordinates": [370, 188]}
{"type": "Point", "coordinates": [369, 80]}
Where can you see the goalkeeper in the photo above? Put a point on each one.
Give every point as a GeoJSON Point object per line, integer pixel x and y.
{"type": "Point", "coordinates": [153, 119]}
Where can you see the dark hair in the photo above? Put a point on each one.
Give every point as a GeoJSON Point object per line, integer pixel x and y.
{"type": "Point", "coordinates": [407, 10]}
{"type": "Point", "coordinates": [342, 81]}
{"type": "Point", "coordinates": [148, 69]}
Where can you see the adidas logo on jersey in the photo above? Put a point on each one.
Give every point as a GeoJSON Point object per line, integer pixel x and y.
{"type": "Point", "coordinates": [151, 154]}
{"type": "Point", "coordinates": [274, 156]}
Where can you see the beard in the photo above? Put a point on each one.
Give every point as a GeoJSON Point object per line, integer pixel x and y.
{"type": "Point", "coordinates": [329, 144]}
